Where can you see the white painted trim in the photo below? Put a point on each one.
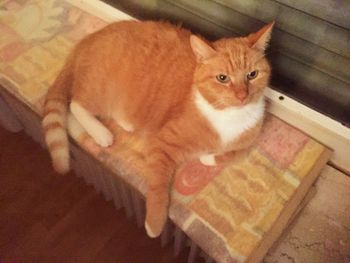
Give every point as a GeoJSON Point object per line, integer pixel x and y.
{"type": "Point", "coordinates": [308, 113]}
{"type": "Point", "coordinates": [101, 10]}
{"type": "Point", "coordinates": [322, 128]}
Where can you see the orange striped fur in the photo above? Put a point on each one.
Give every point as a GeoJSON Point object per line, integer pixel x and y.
{"type": "Point", "coordinates": [156, 77]}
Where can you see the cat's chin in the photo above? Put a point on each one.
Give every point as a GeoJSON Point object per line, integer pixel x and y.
{"type": "Point", "coordinates": [249, 100]}
{"type": "Point", "coordinates": [242, 103]}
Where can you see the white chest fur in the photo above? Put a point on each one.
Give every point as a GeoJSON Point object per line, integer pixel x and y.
{"type": "Point", "coordinates": [231, 122]}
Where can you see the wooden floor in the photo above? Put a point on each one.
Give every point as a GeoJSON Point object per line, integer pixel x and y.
{"type": "Point", "coordinates": [45, 217]}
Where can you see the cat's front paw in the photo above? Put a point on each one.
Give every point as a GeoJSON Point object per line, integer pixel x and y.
{"type": "Point", "coordinates": [156, 212]}
{"type": "Point", "coordinates": [150, 232]}
{"type": "Point", "coordinates": [155, 227]}
{"type": "Point", "coordinates": [208, 160]}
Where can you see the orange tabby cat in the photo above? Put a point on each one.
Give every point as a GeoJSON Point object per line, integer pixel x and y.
{"type": "Point", "coordinates": [196, 99]}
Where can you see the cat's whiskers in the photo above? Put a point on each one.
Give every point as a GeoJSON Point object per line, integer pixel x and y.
{"type": "Point", "coordinates": [219, 103]}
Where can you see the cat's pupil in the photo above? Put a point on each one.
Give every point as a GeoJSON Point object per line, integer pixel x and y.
{"type": "Point", "coordinates": [222, 78]}
{"type": "Point", "coordinates": [252, 74]}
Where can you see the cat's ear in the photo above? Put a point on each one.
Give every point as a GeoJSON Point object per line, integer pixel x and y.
{"type": "Point", "coordinates": [201, 49]}
{"type": "Point", "coordinates": [261, 38]}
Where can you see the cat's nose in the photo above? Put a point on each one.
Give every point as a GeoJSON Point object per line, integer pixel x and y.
{"type": "Point", "coordinates": [242, 94]}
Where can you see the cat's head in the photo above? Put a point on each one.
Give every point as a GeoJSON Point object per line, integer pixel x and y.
{"type": "Point", "coordinates": [232, 71]}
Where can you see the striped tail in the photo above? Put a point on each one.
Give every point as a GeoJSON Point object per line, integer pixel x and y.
{"type": "Point", "coordinates": [55, 121]}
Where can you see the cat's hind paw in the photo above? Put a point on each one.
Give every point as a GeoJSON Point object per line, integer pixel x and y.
{"type": "Point", "coordinates": [103, 137]}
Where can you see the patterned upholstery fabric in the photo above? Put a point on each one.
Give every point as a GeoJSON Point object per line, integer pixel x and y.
{"type": "Point", "coordinates": [225, 210]}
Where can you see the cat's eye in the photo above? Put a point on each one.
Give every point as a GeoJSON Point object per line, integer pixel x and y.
{"type": "Point", "coordinates": [223, 78]}
{"type": "Point", "coordinates": [252, 75]}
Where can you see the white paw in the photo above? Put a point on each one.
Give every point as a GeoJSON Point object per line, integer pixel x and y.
{"type": "Point", "coordinates": [208, 160]}
{"type": "Point", "coordinates": [103, 137]}
{"type": "Point", "coordinates": [126, 125]}
{"type": "Point", "coordinates": [149, 231]}
{"type": "Point", "coordinates": [74, 127]}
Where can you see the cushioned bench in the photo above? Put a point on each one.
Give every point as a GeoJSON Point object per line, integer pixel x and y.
{"type": "Point", "coordinates": [224, 212]}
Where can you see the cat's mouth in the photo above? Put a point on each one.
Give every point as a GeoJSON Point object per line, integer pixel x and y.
{"type": "Point", "coordinates": [242, 102]}
{"type": "Point", "coordinates": [245, 101]}
{"type": "Point", "coordinates": [240, 105]}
